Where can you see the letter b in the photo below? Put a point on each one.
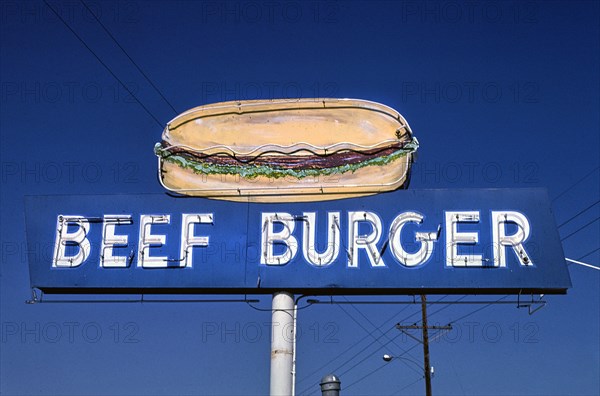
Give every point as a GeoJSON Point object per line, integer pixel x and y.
{"type": "Point", "coordinates": [65, 238]}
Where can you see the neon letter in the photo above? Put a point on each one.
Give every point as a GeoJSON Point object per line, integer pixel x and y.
{"type": "Point", "coordinates": [109, 240]}
{"type": "Point", "coordinates": [309, 235]}
{"type": "Point", "coordinates": [426, 239]}
{"type": "Point", "coordinates": [367, 242]}
{"type": "Point", "coordinates": [79, 238]}
{"type": "Point", "coordinates": [271, 238]}
{"type": "Point", "coordinates": [454, 238]}
{"type": "Point", "coordinates": [188, 239]}
{"type": "Point", "coordinates": [500, 239]}
{"type": "Point", "coordinates": [147, 239]}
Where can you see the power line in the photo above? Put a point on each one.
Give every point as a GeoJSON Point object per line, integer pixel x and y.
{"type": "Point", "coordinates": [576, 183]}
{"type": "Point", "coordinates": [456, 320]}
{"type": "Point", "coordinates": [587, 254]}
{"type": "Point", "coordinates": [580, 228]}
{"type": "Point", "coordinates": [408, 350]}
{"type": "Point", "coordinates": [336, 358]}
{"type": "Point", "coordinates": [129, 57]}
{"type": "Point", "coordinates": [584, 256]}
{"type": "Point", "coordinates": [371, 372]}
{"type": "Point", "coordinates": [347, 361]}
{"type": "Point", "coordinates": [369, 345]}
{"type": "Point", "coordinates": [371, 356]}
{"type": "Point", "coordinates": [365, 376]}
{"type": "Point", "coordinates": [581, 212]}
{"type": "Point", "coordinates": [374, 326]}
{"type": "Point", "coordinates": [377, 339]}
{"type": "Point", "coordinates": [366, 357]}
{"type": "Point", "coordinates": [407, 386]}
{"type": "Point", "coordinates": [477, 310]}
{"type": "Point", "coordinates": [351, 347]}
{"type": "Point", "coordinates": [581, 263]}
{"type": "Point", "coordinates": [102, 63]}
{"type": "Point", "coordinates": [358, 353]}
{"type": "Point", "coordinates": [448, 305]}
{"type": "Point", "coordinates": [390, 340]}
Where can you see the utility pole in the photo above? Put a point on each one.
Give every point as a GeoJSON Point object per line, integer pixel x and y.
{"type": "Point", "coordinates": [426, 366]}
{"type": "Point", "coordinates": [424, 341]}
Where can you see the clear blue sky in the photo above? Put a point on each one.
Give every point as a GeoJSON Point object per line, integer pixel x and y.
{"type": "Point", "coordinates": [500, 94]}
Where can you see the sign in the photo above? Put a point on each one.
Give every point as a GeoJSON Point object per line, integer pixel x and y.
{"type": "Point", "coordinates": [286, 150]}
{"type": "Point", "coordinates": [401, 242]}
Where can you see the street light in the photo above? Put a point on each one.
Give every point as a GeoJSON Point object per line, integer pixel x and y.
{"type": "Point", "coordinates": [389, 358]}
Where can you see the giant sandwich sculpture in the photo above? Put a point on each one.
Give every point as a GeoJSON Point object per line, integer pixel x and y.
{"type": "Point", "coordinates": [286, 150]}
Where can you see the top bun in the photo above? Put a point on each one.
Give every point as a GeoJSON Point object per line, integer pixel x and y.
{"type": "Point", "coordinates": [287, 126]}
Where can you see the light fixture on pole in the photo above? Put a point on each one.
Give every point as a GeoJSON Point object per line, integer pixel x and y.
{"type": "Point", "coordinates": [389, 358]}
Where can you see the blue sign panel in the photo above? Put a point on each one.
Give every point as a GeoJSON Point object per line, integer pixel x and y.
{"type": "Point", "coordinates": [406, 241]}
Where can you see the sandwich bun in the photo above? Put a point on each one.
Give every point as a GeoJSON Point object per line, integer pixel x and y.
{"type": "Point", "coordinates": [286, 150]}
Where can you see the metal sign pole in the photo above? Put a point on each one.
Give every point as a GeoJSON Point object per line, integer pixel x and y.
{"type": "Point", "coordinates": [294, 349]}
{"type": "Point", "coordinates": [282, 332]}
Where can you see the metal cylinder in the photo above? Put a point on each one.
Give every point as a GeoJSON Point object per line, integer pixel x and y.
{"type": "Point", "coordinates": [330, 385]}
{"type": "Point", "coordinates": [282, 330]}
